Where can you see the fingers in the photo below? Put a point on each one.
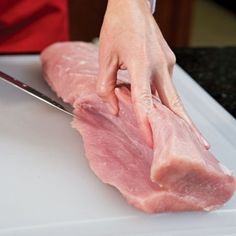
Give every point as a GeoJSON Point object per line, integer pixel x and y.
{"type": "Point", "coordinates": [171, 99]}
{"type": "Point", "coordinates": [142, 101]}
{"type": "Point", "coordinates": [106, 84]}
{"type": "Point", "coordinates": [167, 91]}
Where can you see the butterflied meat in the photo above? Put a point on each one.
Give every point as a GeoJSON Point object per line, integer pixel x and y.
{"type": "Point", "coordinates": [178, 174]}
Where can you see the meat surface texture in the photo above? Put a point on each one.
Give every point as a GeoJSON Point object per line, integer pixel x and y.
{"type": "Point", "coordinates": [178, 174]}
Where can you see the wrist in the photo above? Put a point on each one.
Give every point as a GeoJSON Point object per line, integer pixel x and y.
{"type": "Point", "coordinates": [145, 4]}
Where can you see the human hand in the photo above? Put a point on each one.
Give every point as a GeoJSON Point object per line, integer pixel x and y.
{"type": "Point", "coordinates": [130, 39]}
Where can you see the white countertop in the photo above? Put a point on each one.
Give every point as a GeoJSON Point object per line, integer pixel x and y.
{"type": "Point", "coordinates": [47, 187]}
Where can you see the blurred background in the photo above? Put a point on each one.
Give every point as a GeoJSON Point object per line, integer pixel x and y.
{"type": "Point", "coordinates": [183, 22]}
{"type": "Point", "coordinates": [202, 34]}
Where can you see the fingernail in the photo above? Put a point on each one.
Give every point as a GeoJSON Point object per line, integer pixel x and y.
{"type": "Point", "coordinates": [206, 144]}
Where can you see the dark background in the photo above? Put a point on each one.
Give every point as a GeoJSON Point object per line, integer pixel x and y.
{"type": "Point", "coordinates": [202, 33]}
{"type": "Point", "coordinates": [176, 18]}
{"type": "Point", "coordinates": [173, 17]}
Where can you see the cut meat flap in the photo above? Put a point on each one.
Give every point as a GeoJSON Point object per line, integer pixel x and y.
{"type": "Point", "coordinates": [179, 174]}
{"type": "Point", "coordinates": [181, 163]}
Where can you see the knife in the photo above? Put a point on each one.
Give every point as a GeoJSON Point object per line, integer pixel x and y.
{"type": "Point", "coordinates": [27, 89]}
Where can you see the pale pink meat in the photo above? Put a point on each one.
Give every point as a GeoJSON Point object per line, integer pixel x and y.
{"type": "Point", "coordinates": [181, 163]}
{"type": "Point", "coordinates": [177, 175]}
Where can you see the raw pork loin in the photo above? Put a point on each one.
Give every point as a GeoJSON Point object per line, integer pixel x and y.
{"type": "Point", "coordinates": [178, 174]}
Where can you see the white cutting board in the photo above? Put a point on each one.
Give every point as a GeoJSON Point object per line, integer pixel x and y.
{"type": "Point", "coordinates": [47, 188]}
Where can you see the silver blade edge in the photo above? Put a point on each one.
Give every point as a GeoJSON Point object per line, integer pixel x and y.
{"type": "Point", "coordinates": [27, 89]}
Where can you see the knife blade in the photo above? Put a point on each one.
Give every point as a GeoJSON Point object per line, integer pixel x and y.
{"type": "Point", "coordinates": [33, 92]}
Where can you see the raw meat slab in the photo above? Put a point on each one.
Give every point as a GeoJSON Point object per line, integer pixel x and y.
{"type": "Point", "coordinates": [47, 187]}
{"type": "Point", "coordinates": [184, 175]}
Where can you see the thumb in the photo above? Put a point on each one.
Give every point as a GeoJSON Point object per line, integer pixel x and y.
{"type": "Point", "coordinates": [106, 83]}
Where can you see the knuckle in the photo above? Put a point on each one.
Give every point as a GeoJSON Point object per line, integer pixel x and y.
{"type": "Point", "coordinates": [176, 102]}
{"type": "Point", "coordinates": [107, 57]}
{"type": "Point", "coordinates": [171, 59]}
{"type": "Point", "coordinates": [144, 98]}
{"type": "Point", "coordinates": [101, 91]}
